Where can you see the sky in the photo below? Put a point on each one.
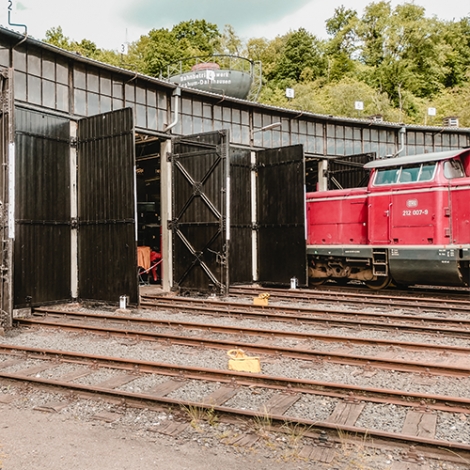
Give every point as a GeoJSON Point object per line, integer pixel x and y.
{"type": "Point", "coordinates": [112, 23]}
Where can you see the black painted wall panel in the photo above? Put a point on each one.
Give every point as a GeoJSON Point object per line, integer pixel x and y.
{"type": "Point", "coordinates": [106, 188]}
{"type": "Point", "coordinates": [42, 210]}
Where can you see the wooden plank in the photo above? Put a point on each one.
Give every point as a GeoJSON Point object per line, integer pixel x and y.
{"type": "Point", "coordinates": [420, 424]}
{"type": "Point", "coordinates": [346, 413]}
{"type": "Point", "coordinates": [78, 374]}
{"type": "Point", "coordinates": [220, 396]}
{"type": "Point", "coordinates": [246, 440]}
{"type": "Point", "coordinates": [107, 416]}
{"type": "Point", "coordinates": [279, 403]}
{"type": "Point", "coordinates": [323, 454]}
{"type": "Point", "coordinates": [306, 452]}
{"type": "Point", "coordinates": [6, 398]}
{"type": "Point", "coordinates": [52, 407]}
{"type": "Point", "coordinates": [171, 428]}
{"type": "Point", "coordinates": [408, 466]}
{"type": "Point", "coordinates": [9, 363]}
{"type": "Point", "coordinates": [117, 381]}
{"type": "Point", "coordinates": [165, 388]}
{"type": "Point", "coordinates": [35, 369]}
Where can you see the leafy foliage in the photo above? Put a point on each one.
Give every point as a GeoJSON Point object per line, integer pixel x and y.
{"type": "Point", "coordinates": [396, 60]}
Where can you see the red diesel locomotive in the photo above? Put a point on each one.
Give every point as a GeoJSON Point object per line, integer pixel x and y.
{"type": "Point", "coordinates": [410, 225]}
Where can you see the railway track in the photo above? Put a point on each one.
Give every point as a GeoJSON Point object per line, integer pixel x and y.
{"type": "Point", "coordinates": [279, 398]}
{"type": "Point", "coordinates": [429, 301]}
{"type": "Point", "coordinates": [140, 329]}
{"type": "Point", "coordinates": [35, 366]}
{"type": "Point", "coordinates": [317, 315]}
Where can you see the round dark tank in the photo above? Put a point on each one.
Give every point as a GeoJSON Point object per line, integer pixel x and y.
{"type": "Point", "coordinates": [222, 74]}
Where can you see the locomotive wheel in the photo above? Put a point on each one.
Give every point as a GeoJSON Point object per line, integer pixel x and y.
{"type": "Point", "coordinates": [380, 283]}
{"type": "Point", "coordinates": [316, 281]}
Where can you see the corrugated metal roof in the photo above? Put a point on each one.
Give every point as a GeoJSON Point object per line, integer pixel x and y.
{"type": "Point", "coordinates": [411, 159]}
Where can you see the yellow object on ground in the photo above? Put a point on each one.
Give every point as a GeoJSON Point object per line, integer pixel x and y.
{"type": "Point", "coordinates": [261, 300]}
{"type": "Point", "coordinates": [240, 362]}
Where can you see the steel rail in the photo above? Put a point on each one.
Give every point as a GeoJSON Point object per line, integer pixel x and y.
{"type": "Point", "coordinates": [241, 378]}
{"type": "Point", "coordinates": [237, 330]}
{"type": "Point", "coordinates": [328, 317]}
{"type": "Point", "coordinates": [293, 353]}
{"type": "Point", "coordinates": [357, 298]}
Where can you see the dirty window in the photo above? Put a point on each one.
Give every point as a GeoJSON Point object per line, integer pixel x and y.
{"type": "Point", "coordinates": [453, 169]}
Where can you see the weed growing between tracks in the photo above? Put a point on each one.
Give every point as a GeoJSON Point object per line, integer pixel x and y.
{"type": "Point", "coordinates": [262, 425]}
{"type": "Point", "coordinates": [356, 453]}
{"type": "Point", "coordinates": [198, 415]}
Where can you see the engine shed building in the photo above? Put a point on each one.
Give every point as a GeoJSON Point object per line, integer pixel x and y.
{"type": "Point", "coordinates": [98, 160]}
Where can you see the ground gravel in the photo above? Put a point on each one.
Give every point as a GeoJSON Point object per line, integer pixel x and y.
{"type": "Point", "coordinates": [145, 423]}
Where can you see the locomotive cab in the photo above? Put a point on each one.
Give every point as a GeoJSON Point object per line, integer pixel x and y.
{"type": "Point", "coordinates": [415, 224]}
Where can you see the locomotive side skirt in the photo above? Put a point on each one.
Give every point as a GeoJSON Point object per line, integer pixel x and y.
{"type": "Point", "coordinates": [431, 266]}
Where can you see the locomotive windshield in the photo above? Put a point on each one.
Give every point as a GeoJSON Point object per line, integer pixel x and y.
{"type": "Point", "coordinates": [405, 174]}
{"type": "Point", "coordinates": [453, 169]}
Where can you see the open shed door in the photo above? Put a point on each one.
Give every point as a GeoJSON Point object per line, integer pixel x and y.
{"type": "Point", "coordinates": [281, 215]}
{"type": "Point", "coordinates": [42, 209]}
{"type": "Point", "coordinates": [107, 259]}
{"type": "Point", "coordinates": [241, 217]}
{"type": "Point", "coordinates": [199, 211]}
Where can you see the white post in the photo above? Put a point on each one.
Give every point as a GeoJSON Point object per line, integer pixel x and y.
{"type": "Point", "coordinates": [166, 215]}
{"type": "Point", "coordinates": [322, 177]}
{"type": "Point", "coordinates": [254, 217]}
{"type": "Point", "coordinates": [73, 213]}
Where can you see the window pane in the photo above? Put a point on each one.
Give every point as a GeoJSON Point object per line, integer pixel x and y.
{"type": "Point", "coordinates": [151, 98]}
{"type": "Point", "coordinates": [409, 175]}
{"type": "Point", "coordinates": [105, 86]}
{"type": "Point", "coordinates": [141, 115]}
{"type": "Point", "coordinates": [5, 57]}
{"type": "Point", "coordinates": [105, 104]}
{"type": "Point", "coordinates": [48, 68]}
{"type": "Point", "coordinates": [130, 93]}
{"type": "Point", "coordinates": [387, 176]}
{"type": "Point", "coordinates": [34, 89]}
{"type": "Point", "coordinates": [453, 169]}
{"type": "Point", "coordinates": [79, 77]}
{"type": "Point", "coordinates": [80, 102]}
{"type": "Point", "coordinates": [140, 95]}
{"type": "Point", "coordinates": [117, 104]}
{"type": "Point", "coordinates": [93, 82]}
{"type": "Point", "coordinates": [34, 64]}
{"type": "Point", "coordinates": [93, 104]}
{"type": "Point", "coordinates": [62, 72]}
{"type": "Point", "coordinates": [117, 90]}
{"type": "Point", "coordinates": [62, 97]}
{"type": "Point", "coordinates": [48, 94]}
{"type": "Point", "coordinates": [20, 86]}
{"type": "Point", "coordinates": [427, 172]}
{"type": "Point", "coordinates": [19, 59]}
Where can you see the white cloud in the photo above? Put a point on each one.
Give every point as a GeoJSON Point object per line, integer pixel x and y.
{"type": "Point", "coordinates": [104, 21]}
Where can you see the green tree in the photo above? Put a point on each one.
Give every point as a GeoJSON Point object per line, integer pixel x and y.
{"type": "Point", "coordinates": [300, 58]}
{"type": "Point", "coordinates": [153, 53]}
{"type": "Point", "coordinates": [342, 44]}
{"type": "Point", "coordinates": [85, 47]}
{"type": "Point", "coordinates": [56, 37]}
{"type": "Point", "coordinates": [199, 36]}
{"type": "Point", "coordinates": [457, 61]}
{"type": "Point", "coordinates": [229, 42]}
{"type": "Point", "coordinates": [403, 50]}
